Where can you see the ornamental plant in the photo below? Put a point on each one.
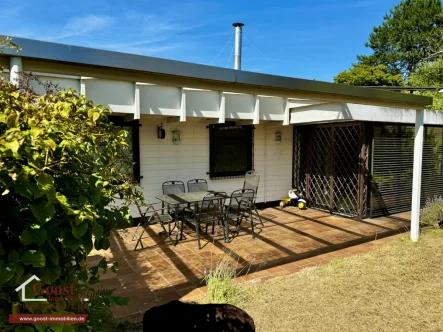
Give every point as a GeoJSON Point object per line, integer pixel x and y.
{"type": "Point", "coordinates": [61, 191]}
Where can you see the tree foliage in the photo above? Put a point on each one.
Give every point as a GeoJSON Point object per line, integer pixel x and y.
{"type": "Point", "coordinates": [410, 32]}
{"type": "Point", "coordinates": [59, 178]}
{"type": "Point", "coordinates": [365, 75]}
{"type": "Point", "coordinates": [430, 74]}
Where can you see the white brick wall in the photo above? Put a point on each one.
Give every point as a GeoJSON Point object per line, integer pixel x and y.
{"type": "Point", "coordinates": [161, 160]}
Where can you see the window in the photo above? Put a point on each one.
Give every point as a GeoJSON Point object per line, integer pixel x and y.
{"type": "Point", "coordinates": [134, 145]}
{"type": "Point", "coordinates": [230, 150]}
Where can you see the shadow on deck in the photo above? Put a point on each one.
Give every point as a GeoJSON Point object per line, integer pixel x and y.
{"type": "Point", "coordinates": [289, 240]}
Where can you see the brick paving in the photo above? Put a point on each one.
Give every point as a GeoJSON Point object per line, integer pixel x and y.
{"type": "Point", "coordinates": [289, 241]}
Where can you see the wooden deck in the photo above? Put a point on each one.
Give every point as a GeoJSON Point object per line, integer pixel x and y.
{"type": "Point", "coordinates": [289, 240]}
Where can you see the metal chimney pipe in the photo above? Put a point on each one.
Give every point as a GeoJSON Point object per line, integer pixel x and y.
{"type": "Point", "coordinates": [237, 47]}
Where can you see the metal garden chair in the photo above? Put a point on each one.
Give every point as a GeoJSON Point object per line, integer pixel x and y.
{"type": "Point", "coordinates": [240, 207]}
{"type": "Point", "coordinates": [151, 216]}
{"type": "Point", "coordinates": [197, 185]}
{"type": "Point", "coordinates": [252, 179]}
{"type": "Point", "coordinates": [170, 188]}
{"type": "Point", "coordinates": [208, 212]}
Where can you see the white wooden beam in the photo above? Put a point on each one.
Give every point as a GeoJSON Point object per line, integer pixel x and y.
{"type": "Point", "coordinates": [222, 108]}
{"type": "Point", "coordinates": [15, 65]}
{"type": "Point", "coordinates": [287, 113]}
{"type": "Point", "coordinates": [136, 102]}
{"type": "Point", "coordinates": [82, 86]}
{"type": "Point", "coordinates": [183, 106]}
{"type": "Point", "coordinates": [416, 175]}
{"type": "Point", "coordinates": [256, 118]}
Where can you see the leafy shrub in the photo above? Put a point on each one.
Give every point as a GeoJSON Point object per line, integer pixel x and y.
{"type": "Point", "coordinates": [432, 213]}
{"type": "Point", "coordinates": [59, 178]}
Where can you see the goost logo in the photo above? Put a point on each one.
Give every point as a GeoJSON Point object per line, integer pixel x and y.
{"type": "Point", "coordinates": [49, 290]}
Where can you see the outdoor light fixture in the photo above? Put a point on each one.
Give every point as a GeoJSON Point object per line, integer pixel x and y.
{"type": "Point", "coordinates": [161, 134]}
{"type": "Point", "coordinates": [176, 136]}
{"type": "Point", "coordinates": [278, 137]}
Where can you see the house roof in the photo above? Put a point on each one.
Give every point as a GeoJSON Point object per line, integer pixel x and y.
{"type": "Point", "coordinates": [78, 55]}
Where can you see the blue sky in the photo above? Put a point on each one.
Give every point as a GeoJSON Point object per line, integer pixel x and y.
{"type": "Point", "coordinates": [313, 39]}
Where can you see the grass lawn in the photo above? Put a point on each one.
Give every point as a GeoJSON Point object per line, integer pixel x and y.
{"type": "Point", "coordinates": [396, 288]}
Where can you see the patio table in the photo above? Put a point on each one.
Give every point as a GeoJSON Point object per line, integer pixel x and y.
{"type": "Point", "coordinates": [182, 198]}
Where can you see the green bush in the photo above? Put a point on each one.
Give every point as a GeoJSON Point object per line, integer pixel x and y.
{"type": "Point", "coordinates": [219, 281]}
{"type": "Point", "coordinates": [59, 176]}
{"type": "Point", "coordinates": [432, 213]}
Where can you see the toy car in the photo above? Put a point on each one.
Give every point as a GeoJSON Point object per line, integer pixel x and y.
{"type": "Point", "coordinates": [295, 198]}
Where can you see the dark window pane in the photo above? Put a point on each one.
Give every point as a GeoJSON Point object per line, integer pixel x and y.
{"type": "Point", "coordinates": [231, 150]}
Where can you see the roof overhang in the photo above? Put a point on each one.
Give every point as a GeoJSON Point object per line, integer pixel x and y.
{"type": "Point", "coordinates": [340, 112]}
{"type": "Point", "coordinates": [94, 62]}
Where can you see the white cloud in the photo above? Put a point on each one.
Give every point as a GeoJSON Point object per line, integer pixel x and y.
{"type": "Point", "coordinates": [78, 26]}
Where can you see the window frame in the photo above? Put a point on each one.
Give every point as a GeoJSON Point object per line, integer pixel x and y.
{"type": "Point", "coordinates": [250, 148]}
{"type": "Point", "coordinates": [118, 121]}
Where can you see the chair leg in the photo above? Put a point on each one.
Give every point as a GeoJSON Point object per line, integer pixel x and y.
{"type": "Point", "coordinates": [139, 240]}
{"type": "Point", "coordinates": [213, 225]}
{"type": "Point", "coordinates": [252, 224]}
{"type": "Point", "coordinates": [259, 217]}
{"type": "Point", "coordinates": [135, 233]}
{"type": "Point", "coordinates": [197, 230]}
{"type": "Point", "coordinates": [206, 229]}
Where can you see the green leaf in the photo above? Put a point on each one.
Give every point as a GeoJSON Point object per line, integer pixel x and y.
{"type": "Point", "coordinates": [102, 244]}
{"type": "Point", "coordinates": [103, 264]}
{"type": "Point", "coordinates": [12, 120]}
{"type": "Point", "coordinates": [30, 235]}
{"type": "Point", "coordinates": [13, 146]}
{"type": "Point", "coordinates": [69, 241]}
{"type": "Point", "coordinates": [34, 258]}
{"type": "Point", "coordinates": [5, 192]}
{"type": "Point", "coordinates": [79, 230]}
{"type": "Point", "coordinates": [42, 210]}
{"type": "Point", "coordinates": [49, 143]}
{"type": "Point", "coordinates": [62, 199]}
{"type": "Point", "coordinates": [97, 230]}
{"type": "Point", "coordinates": [50, 274]}
{"type": "Point", "coordinates": [25, 189]}
{"type": "Point", "coordinates": [86, 242]}
{"type": "Point", "coordinates": [6, 273]}
{"type": "Point", "coordinates": [41, 327]}
{"type": "Point", "coordinates": [23, 328]}
{"type": "Point", "coordinates": [13, 257]}
{"type": "Point", "coordinates": [50, 252]}
{"type": "Point", "coordinates": [46, 181]}
{"type": "Point", "coordinates": [68, 328]}
{"type": "Point", "coordinates": [19, 270]}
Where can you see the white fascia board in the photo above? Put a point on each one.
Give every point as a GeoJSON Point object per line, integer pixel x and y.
{"type": "Point", "coordinates": [335, 112]}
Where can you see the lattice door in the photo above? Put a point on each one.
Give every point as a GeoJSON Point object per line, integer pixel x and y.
{"type": "Point", "coordinates": [330, 164]}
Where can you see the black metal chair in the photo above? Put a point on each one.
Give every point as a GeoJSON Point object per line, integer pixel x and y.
{"type": "Point", "coordinates": [240, 207]}
{"type": "Point", "coordinates": [208, 212]}
{"type": "Point", "coordinates": [170, 188]}
{"type": "Point", "coordinates": [150, 216]}
{"type": "Point", "coordinates": [197, 185]}
{"type": "Point", "coordinates": [252, 179]}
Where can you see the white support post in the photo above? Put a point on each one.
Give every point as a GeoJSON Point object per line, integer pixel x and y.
{"type": "Point", "coordinates": [183, 105]}
{"type": "Point", "coordinates": [136, 102]}
{"type": "Point", "coordinates": [256, 118]}
{"type": "Point", "coordinates": [82, 86]}
{"type": "Point", "coordinates": [222, 108]}
{"type": "Point", "coordinates": [286, 113]}
{"type": "Point", "coordinates": [416, 177]}
{"type": "Point", "coordinates": [15, 68]}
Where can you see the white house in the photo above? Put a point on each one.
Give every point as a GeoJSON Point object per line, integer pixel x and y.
{"type": "Point", "coordinates": [346, 146]}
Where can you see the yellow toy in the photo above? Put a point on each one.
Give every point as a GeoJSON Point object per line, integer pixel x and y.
{"type": "Point", "coordinates": [294, 199]}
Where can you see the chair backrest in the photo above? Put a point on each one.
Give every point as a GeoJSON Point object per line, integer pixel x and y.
{"type": "Point", "coordinates": [197, 185]}
{"type": "Point", "coordinates": [211, 207]}
{"type": "Point", "coordinates": [241, 198]}
{"type": "Point", "coordinates": [173, 187]}
{"type": "Point", "coordinates": [252, 178]}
